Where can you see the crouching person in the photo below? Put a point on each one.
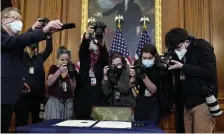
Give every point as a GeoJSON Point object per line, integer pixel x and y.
{"type": "Point", "coordinates": [61, 85]}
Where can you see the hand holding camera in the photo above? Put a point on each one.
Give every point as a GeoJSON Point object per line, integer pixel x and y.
{"type": "Point", "coordinates": [176, 65]}
{"type": "Point", "coordinates": [53, 26]}
{"type": "Point", "coordinates": [139, 71]}
{"type": "Point", "coordinates": [37, 25]}
{"type": "Point", "coordinates": [63, 68]}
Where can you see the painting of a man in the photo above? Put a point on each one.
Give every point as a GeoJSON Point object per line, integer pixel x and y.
{"type": "Point", "coordinates": [131, 10]}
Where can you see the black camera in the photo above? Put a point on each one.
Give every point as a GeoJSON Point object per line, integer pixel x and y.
{"type": "Point", "coordinates": [140, 71]}
{"type": "Point", "coordinates": [71, 69]}
{"type": "Point", "coordinates": [99, 29]}
{"type": "Point", "coordinates": [165, 61]}
{"type": "Point", "coordinates": [112, 74]}
{"type": "Point", "coordinates": [45, 21]}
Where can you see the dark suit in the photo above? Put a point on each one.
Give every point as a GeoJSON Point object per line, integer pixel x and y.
{"type": "Point", "coordinates": [13, 69]}
{"type": "Point", "coordinates": [132, 18]}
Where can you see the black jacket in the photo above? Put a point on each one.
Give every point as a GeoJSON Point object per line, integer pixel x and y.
{"type": "Point", "coordinates": [12, 67]}
{"type": "Point", "coordinates": [199, 69]}
{"type": "Point", "coordinates": [94, 93]}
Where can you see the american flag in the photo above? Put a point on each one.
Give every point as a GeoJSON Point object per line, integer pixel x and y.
{"type": "Point", "coordinates": [145, 39]}
{"type": "Point", "coordinates": [118, 45]}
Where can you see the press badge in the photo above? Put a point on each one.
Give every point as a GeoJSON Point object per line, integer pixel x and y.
{"type": "Point", "coordinates": [182, 76]}
{"type": "Point", "coordinates": [93, 81]}
{"type": "Point", "coordinates": [91, 74]}
{"type": "Point", "coordinates": [31, 70]}
{"type": "Point", "coordinates": [117, 95]}
{"type": "Point", "coordinates": [147, 93]}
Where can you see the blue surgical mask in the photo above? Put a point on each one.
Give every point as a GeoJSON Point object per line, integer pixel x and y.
{"type": "Point", "coordinates": [148, 63]}
{"type": "Point", "coordinates": [16, 26]}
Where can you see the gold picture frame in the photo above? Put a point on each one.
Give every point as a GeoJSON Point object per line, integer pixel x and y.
{"type": "Point", "coordinates": [158, 27]}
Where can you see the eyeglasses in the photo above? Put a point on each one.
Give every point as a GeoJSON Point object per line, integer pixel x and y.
{"type": "Point", "coordinates": [64, 52]}
{"type": "Point", "coordinates": [13, 17]}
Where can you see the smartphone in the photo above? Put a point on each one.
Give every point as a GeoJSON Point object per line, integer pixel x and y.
{"type": "Point", "coordinates": [68, 26]}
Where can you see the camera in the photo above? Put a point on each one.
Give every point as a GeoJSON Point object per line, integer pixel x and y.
{"type": "Point", "coordinates": [211, 101]}
{"type": "Point", "coordinates": [99, 29]}
{"type": "Point", "coordinates": [71, 69]}
{"type": "Point", "coordinates": [164, 61]}
{"type": "Point", "coordinates": [44, 20]}
{"type": "Point", "coordinates": [113, 73]}
{"type": "Point", "coordinates": [139, 71]}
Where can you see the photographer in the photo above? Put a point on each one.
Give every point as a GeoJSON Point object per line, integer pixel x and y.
{"type": "Point", "coordinates": [147, 81]}
{"type": "Point", "coordinates": [194, 68]}
{"type": "Point", "coordinates": [116, 82]}
{"type": "Point", "coordinates": [12, 45]}
{"type": "Point", "coordinates": [35, 78]}
{"type": "Point", "coordinates": [93, 56]}
{"type": "Point", "coordinates": [61, 85]}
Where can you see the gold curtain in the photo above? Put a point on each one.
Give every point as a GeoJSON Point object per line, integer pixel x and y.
{"type": "Point", "coordinates": [194, 15]}
{"type": "Point", "coordinates": [64, 10]}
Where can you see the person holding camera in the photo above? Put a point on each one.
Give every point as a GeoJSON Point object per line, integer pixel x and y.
{"type": "Point", "coordinates": [146, 79]}
{"type": "Point", "coordinates": [116, 82]}
{"type": "Point", "coordinates": [194, 67]}
{"type": "Point", "coordinates": [61, 85]}
{"type": "Point", "coordinates": [93, 56]}
{"type": "Point", "coordinates": [35, 78]}
{"type": "Point", "coordinates": [12, 45]}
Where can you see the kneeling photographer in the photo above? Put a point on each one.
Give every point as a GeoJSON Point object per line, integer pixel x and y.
{"type": "Point", "coordinates": [116, 82]}
{"type": "Point", "coordinates": [195, 81]}
{"type": "Point", "coordinates": [145, 77]}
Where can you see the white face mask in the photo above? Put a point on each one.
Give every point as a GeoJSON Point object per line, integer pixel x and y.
{"type": "Point", "coordinates": [16, 26]}
{"type": "Point", "coordinates": [148, 63]}
{"type": "Point", "coordinates": [180, 53]}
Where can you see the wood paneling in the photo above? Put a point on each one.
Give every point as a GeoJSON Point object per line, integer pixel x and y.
{"type": "Point", "coordinates": [202, 18]}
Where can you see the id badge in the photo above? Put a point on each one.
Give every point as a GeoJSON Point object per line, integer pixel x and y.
{"type": "Point", "coordinates": [91, 74]}
{"type": "Point", "coordinates": [93, 81]}
{"type": "Point", "coordinates": [31, 70]}
{"type": "Point", "coordinates": [117, 95]}
{"type": "Point", "coordinates": [147, 93]}
{"type": "Point", "coordinates": [182, 76]}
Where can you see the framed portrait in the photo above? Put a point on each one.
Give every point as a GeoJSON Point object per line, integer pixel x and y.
{"type": "Point", "coordinates": [132, 11]}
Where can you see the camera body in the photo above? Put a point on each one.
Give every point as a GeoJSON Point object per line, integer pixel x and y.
{"type": "Point", "coordinates": [99, 29]}
{"type": "Point", "coordinates": [112, 74]}
{"type": "Point", "coordinates": [165, 61]}
{"type": "Point", "coordinates": [44, 20]}
{"type": "Point", "coordinates": [71, 69]}
{"type": "Point", "coordinates": [140, 71]}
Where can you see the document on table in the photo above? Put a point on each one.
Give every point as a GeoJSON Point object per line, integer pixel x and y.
{"type": "Point", "coordinates": [76, 123]}
{"type": "Point", "coordinates": [113, 124]}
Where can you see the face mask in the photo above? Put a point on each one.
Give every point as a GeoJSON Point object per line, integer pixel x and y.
{"type": "Point", "coordinates": [16, 26]}
{"type": "Point", "coordinates": [181, 53]}
{"type": "Point", "coordinates": [148, 63]}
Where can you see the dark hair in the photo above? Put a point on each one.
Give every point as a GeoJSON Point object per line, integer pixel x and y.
{"type": "Point", "coordinates": [63, 50]}
{"type": "Point", "coordinates": [117, 55]}
{"type": "Point", "coordinates": [175, 36]}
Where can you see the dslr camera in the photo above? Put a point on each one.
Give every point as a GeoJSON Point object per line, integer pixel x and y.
{"type": "Point", "coordinates": [44, 20]}
{"type": "Point", "coordinates": [139, 71]}
{"type": "Point", "coordinates": [165, 61]}
{"type": "Point", "coordinates": [99, 29]}
{"type": "Point", "coordinates": [112, 74]}
{"type": "Point", "coordinates": [71, 69]}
